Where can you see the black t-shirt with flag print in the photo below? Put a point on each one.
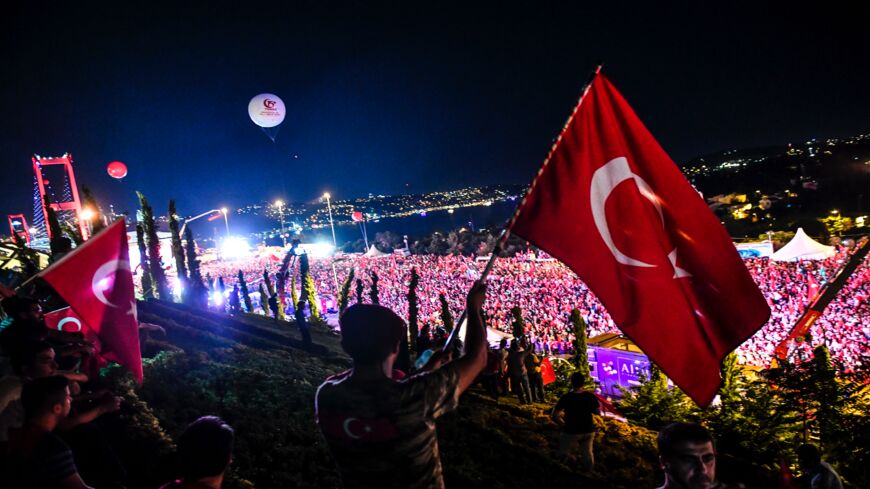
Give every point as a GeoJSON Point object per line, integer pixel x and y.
{"type": "Point", "coordinates": [382, 432]}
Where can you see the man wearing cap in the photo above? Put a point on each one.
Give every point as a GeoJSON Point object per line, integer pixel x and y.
{"type": "Point", "coordinates": [380, 430]}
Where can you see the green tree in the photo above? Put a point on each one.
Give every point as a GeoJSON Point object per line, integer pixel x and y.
{"type": "Point", "coordinates": [359, 291]}
{"type": "Point", "coordinates": [837, 224]}
{"type": "Point", "coordinates": [264, 299]}
{"type": "Point", "coordinates": [178, 252]}
{"type": "Point", "coordinates": [412, 309]}
{"type": "Point", "coordinates": [518, 326]}
{"type": "Point", "coordinates": [147, 282]}
{"type": "Point", "coordinates": [96, 220]}
{"type": "Point", "coordinates": [373, 292]}
{"type": "Point", "coordinates": [246, 297]}
{"type": "Point", "coordinates": [446, 315]}
{"type": "Point", "coordinates": [281, 291]}
{"type": "Point", "coordinates": [653, 404]}
{"type": "Point", "coordinates": [308, 289]}
{"type": "Point", "coordinates": [344, 293]}
{"type": "Point", "coordinates": [294, 296]}
{"type": "Point", "coordinates": [198, 294]}
{"type": "Point", "coordinates": [581, 355]}
{"type": "Point", "coordinates": [52, 221]}
{"type": "Point", "coordinates": [153, 243]}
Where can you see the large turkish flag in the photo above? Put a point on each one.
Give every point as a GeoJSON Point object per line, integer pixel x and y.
{"type": "Point", "coordinates": [96, 281]}
{"type": "Point", "coordinates": [611, 204]}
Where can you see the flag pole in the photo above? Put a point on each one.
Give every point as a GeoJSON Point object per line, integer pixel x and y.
{"type": "Point", "coordinates": [506, 232]}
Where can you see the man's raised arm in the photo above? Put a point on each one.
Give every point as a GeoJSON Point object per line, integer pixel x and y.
{"type": "Point", "coordinates": [474, 359]}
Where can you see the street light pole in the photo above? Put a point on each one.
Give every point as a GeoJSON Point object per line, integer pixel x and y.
{"type": "Point", "coordinates": [334, 244]}
{"type": "Point", "coordinates": [226, 221]}
{"type": "Point", "coordinates": [331, 225]}
{"type": "Point", "coordinates": [280, 205]}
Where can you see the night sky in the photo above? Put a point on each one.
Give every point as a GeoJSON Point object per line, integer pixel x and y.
{"type": "Point", "coordinates": [396, 98]}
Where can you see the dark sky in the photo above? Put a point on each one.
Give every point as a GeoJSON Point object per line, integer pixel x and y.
{"type": "Point", "coordinates": [380, 96]}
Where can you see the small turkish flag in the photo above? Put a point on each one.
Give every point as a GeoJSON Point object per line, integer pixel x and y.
{"type": "Point", "coordinates": [357, 216]}
{"type": "Point", "coordinates": [65, 320]}
{"type": "Point", "coordinates": [611, 204]}
{"type": "Point", "coordinates": [548, 375]}
{"type": "Point", "coordinates": [96, 281]}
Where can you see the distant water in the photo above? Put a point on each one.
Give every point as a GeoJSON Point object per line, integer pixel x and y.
{"type": "Point", "coordinates": [480, 217]}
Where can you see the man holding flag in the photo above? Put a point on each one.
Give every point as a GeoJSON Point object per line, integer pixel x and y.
{"type": "Point", "coordinates": [96, 281]}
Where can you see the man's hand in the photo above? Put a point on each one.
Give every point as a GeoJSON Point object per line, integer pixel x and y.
{"type": "Point", "coordinates": [110, 404]}
{"type": "Point", "coordinates": [476, 296]}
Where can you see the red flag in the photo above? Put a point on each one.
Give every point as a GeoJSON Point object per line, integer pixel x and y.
{"type": "Point", "coordinates": [611, 204]}
{"type": "Point", "coordinates": [548, 375]}
{"type": "Point", "coordinates": [96, 281]}
{"type": "Point", "coordinates": [357, 216]}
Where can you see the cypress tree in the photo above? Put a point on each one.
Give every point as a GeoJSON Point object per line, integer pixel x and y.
{"type": "Point", "coordinates": [147, 283]}
{"type": "Point", "coordinates": [53, 224]}
{"type": "Point", "coordinates": [153, 244]}
{"type": "Point", "coordinates": [264, 299]}
{"type": "Point", "coordinates": [308, 291]}
{"type": "Point", "coordinates": [178, 252]}
{"type": "Point", "coordinates": [359, 291]}
{"type": "Point", "coordinates": [268, 283]}
{"type": "Point", "coordinates": [280, 297]}
{"type": "Point", "coordinates": [412, 309]}
{"type": "Point", "coordinates": [221, 291]}
{"type": "Point", "coordinates": [246, 297]}
{"type": "Point", "coordinates": [198, 294]}
{"type": "Point", "coordinates": [581, 356]}
{"type": "Point", "coordinates": [519, 325]}
{"type": "Point", "coordinates": [344, 294]}
{"type": "Point", "coordinates": [373, 292]}
{"type": "Point", "coordinates": [96, 221]}
{"type": "Point", "coordinates": [293, 295]}
{"type": "Point", "coordinates": [446, 315]}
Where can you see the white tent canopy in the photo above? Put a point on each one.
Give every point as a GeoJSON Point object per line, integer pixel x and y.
{"type": "Point", "coordinates": [802, 247]}
{"type": "Point", "coordinates": [373, 252]}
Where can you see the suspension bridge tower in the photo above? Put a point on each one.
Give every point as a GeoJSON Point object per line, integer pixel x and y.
{"type": "Point", "coordinates": [54, 177]}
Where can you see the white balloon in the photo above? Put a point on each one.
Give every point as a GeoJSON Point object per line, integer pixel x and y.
{"type": "Point", "coordinates": [266, 110]}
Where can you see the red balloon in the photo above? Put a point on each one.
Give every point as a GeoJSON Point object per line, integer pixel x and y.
{"type": "Point", "coordinates": [117, 170]}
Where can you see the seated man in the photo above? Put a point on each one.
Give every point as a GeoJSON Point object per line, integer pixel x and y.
{"type": "Point", "coordinates": [205, 450]}
{"type": "Point", "coordinates": [688, 457]}
{"type": "Point", "coordinates": [28, 324]}
{"type": "Point", "coordinates": [35, 360]}
{"type": "Point", "coordinates": [382, 431]}
{"type": "Point", "coordinates": [36, 457]}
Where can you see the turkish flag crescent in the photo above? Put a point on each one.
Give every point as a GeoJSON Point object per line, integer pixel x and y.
{"type": "Point", "coordinates": [96, 281]}
{"type": "Point", "coordinates": [610, 204]}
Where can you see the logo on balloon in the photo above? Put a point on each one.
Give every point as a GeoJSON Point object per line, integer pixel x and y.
{"type": "Point", "coordinates": [269, 104]}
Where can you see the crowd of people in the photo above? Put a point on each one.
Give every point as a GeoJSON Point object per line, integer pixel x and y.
{"type": "Point", "coordinates": [547, 291]}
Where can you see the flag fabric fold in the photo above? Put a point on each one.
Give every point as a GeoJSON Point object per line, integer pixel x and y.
{"type": "Point", "coordinates": [612, 205]}
{"type": "Point", "coordinates": [96, 281]}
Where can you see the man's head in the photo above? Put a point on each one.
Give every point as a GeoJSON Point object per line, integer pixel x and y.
{"type": "Point", "coordinates": [578, 380]}
{"type": "Point", "coordinates": [687, 456]}
{"type": "Point", "coordinates": [35, 359]}
{"type": "Point", "coordinates": [371, 333]}
{"type": "Point", "coordinates": [809, 456]}
{"type": "Point", "coordinates": [48, 396]}
{"type": "Point", "coordinates": [205, 448]}
{"type": "Point", "coordinates": [22, 308]}
{"type": "Point", "coordinates": [300, 305]}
